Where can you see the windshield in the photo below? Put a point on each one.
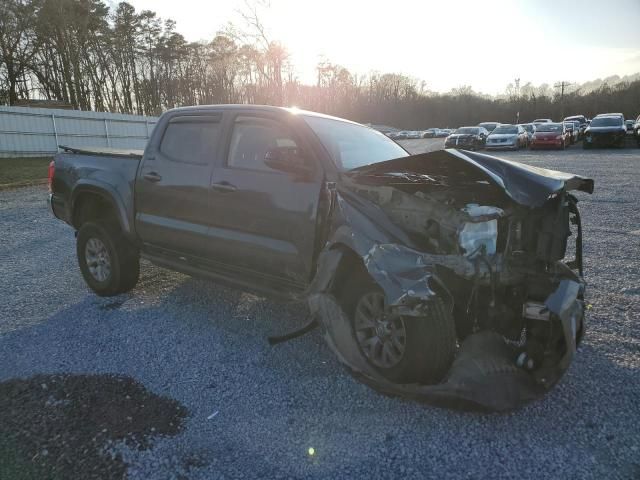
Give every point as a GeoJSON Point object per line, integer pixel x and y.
{"type": "Point", "coordinates": [606, 122]}
{"type": "Point", "coordinates": [549, 127]}
{"type": "Point", "coordinates": [505, 129]}
{"type": "Point", "coordinates": [351, 145]}
{"type": "Point", "coordinates": [467, 130]}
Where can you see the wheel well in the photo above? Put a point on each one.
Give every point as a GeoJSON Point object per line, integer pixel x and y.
{"type": "Point", "coordinates": [91, 206]}
{"type": "Point", "coordinates": [350, 265]}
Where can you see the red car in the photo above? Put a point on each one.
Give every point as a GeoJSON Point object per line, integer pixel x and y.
{"type": "Point", "coordinates": [550, 135]}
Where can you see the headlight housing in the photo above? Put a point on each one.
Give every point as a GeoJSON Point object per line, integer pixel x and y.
{"type": "Point", "coordinates": [483, 233]}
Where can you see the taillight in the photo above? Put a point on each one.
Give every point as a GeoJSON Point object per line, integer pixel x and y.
{"type": "Point", "coordinates": [52, 169]}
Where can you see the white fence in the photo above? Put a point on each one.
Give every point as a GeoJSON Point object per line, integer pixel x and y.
{"type": "Point", "coordinates": [31, 132]}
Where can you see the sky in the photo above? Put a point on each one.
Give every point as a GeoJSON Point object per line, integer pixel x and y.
{"type": "Point", "coordinates": [447, 43]}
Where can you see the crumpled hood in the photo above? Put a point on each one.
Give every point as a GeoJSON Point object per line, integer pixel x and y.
{"type": "Point", "coordinates": [526, 185]}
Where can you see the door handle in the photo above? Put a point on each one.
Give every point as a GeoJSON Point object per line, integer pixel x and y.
{"type": "Point", "coordinates": [152, 177]}
{"type": "Point", "coordinates": [224, 187]}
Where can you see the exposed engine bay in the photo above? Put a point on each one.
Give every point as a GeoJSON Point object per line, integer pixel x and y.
{"type": "Point", "coordinates": [486, 237]}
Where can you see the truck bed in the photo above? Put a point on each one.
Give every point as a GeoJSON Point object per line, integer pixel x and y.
{"type": "Point", "coordinates": [107, 172]}
{"type": "Point", "coordinates": [103, 151]}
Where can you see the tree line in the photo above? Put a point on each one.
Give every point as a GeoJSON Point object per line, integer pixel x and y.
{"type": "Point", "coordinates": [92, 57]}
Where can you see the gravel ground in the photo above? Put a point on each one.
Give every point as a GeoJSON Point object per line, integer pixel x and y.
{"type": "Point", "coordinates": [254, 410]}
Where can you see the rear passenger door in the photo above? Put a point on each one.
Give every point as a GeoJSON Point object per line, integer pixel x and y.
{"type": "Point", "coordinates": [172, 189]}
{"type": "Point", "coordinates": [263, 220]}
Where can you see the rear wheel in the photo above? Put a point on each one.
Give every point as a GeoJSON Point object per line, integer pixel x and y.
{"type": "Point", "coordinates": [403, 349]}
{"type": "Point", "coordinates": [109, 264]}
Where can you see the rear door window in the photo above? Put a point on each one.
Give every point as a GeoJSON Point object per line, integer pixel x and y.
{"type": "Point", "coordinates": [191, 139]}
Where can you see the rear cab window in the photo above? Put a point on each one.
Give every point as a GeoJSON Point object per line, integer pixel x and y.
{"type": "Point", "coordinates": [191, 139]}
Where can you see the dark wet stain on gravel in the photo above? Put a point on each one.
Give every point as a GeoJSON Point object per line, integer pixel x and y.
{"type": "Point", "coordinates": [63, 426]}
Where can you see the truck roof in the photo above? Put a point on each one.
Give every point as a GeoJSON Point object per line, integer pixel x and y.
{"type": "Point", "coordinates": [253, 108]}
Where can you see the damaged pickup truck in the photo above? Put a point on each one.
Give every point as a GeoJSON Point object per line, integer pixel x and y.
{"type": "Point", "coordinates": [441, 277]}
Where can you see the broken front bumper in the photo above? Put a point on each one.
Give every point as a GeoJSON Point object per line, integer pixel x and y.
{"type": "Point", "coordinates": [484, 375]}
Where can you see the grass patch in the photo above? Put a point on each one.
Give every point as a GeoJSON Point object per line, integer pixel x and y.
{"type": "Point", "coordinates": [23, 170]}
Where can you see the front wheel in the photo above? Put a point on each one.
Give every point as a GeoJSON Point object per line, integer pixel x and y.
{"type": "Point", "coordinates": [109, 264]}
{"type": "Point", "coordinates": [402, 349]}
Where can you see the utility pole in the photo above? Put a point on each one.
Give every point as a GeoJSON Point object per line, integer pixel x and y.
{"type": "Point", "coordinates": [517, 84]}
{"type": "Point", "coordinates": [561, 86]}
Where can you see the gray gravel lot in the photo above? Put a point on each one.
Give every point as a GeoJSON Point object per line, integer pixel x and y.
{"type": "Point", "coordinates": [205, 346]}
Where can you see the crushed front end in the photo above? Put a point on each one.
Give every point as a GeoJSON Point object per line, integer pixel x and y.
{"type": "Point", "coordinates": [490, 239]}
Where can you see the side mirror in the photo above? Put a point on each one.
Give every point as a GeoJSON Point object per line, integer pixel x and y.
{"type": "Point", "coordinates": [287, 159]}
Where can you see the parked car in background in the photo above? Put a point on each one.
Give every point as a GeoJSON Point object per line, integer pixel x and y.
{"type": "Point", "coordinates": [582, 120]}
{"type": "Point", "coordinates": [605, 130]}
{"type": "Point", "coordinates": [530, 128]}
{"type": "Point", "coordinates": [489, 126]}
{"type": "Point", "coordinates": [414, 134]}
{"type": "Point", "coordinates": [505, 136]}
{"type": "Point", "coordinates": [542, 120]}
{"type": "Point", "coordinates": [429, 133]}
{"type": "Point", "coordinates": [403, 135]}
{"type": "Point", "coordinates": [471, 138]}
{"type": "Point", "coordinates": [636, 129]}
{"type": "Point", "coordinates": [574, 130]}
{"type": "Point", "coordinates": [550, 135]}
{"type": "Point", "coordinates": [629, 124]}
{"type": "Point", "coordinates": [442, 133]}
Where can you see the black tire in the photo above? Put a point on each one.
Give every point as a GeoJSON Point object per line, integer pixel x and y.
{"type": "Point", "coordinates": [123, 259]}
{"type": "Point", "coordinates": [585, 145]}
{"type": "Point", "coordinates": [430, 341]}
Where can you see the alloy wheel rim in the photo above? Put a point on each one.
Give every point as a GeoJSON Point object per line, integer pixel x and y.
{"type": "Point", "coordinates": [98, 259]}
{"type": "Point", "coordinates": [382, 337]}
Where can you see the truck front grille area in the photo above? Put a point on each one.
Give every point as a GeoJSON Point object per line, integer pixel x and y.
{"type": "Point", "coordinates": [545, 234]}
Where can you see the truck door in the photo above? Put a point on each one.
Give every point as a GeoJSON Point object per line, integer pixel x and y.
{"type": "Point", "coordinates": [263, 220]}
{"type": "Point", "coordinates": [172, 188]}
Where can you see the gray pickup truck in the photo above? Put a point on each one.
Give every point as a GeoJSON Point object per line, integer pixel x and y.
{"type": "Point", "coordinates": [405, 260]}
